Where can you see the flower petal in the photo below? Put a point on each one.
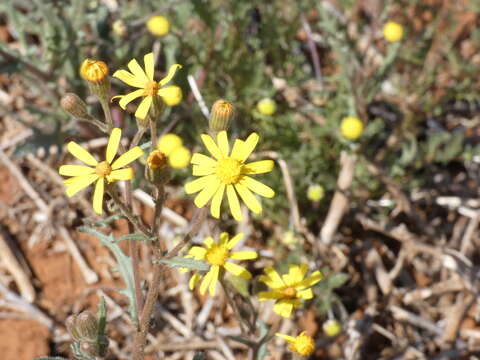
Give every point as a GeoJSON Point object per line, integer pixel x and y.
{"type": "Point", "coordinates": [248, 198]}
{"type": "Point", "coordinates": [198, 252]}
{"type": "Point", "coordinates": [208, 241]}
{"type": "Point", "coordinates": [311, 280]}
{"type": "Point", "coordinates": [237, 270]}
{"type": "Point", "coordinates": [129, 78]}
{"type": "Point", "coordinates": [243, 255]}
{"type": "Point", "coordinates": [112, 146]}
{"type": "Point", "coordinates": [217, 201]}
{"type": "Point", "coordinates": [81, 154]}
{"type": "Point", "coordinates": [211, 146]}
{"type": "Point", "coordinates": [257, 187]}
{"type": "Point", "coordinates": [306, 294]}
{"type": "Point", "coordinates": [78, 183]}
{"type": "Point", "coordinates": [223, 239]}
{"type": "Point", "coordinates": [98, 196]}
{"type": "Point", "coordinates": [172, 92]}
{"type": "Point", "coordinates": [137, 71]}
{"type": "Point", "coordinates": [258, 167]}
{"type": "Point", "coordinates": [283, 308]}
{"type": "Point", "coordinates": [203, 160]}
{"type": "Point", "coordinates": [233, 241]}
{"type": "Point", "coordinates": [222, 141]}
{"type": "Point", "coordinates": [143, 108]}
{"type": "Point", "coordinates": [269, 295]}
{"type": "Point", "coordinates": [237, 149]}
{"type": "Point", "coordinates": [194, 280]}
{"type": "Point", "coordinates": [286, 337]}
{"type": "Point", "coordinates": [75, 170]}
{"type": "Point", "coordinates": [274, 277]}
{"type": "Point", "coordinates": [171, 73]}
{"type": "Point", "coordinates": [128, 98]}
{"type": "Point", "coordinates": [200, 170]}
{"type": "Point", "coordinates": [205, 282]}
{"type": "Point", "coordinates": [198, 184]}
{"type": "Point", "coordinates": [128, 157]}
{"type": "Point", "coordinates": [149, 65]}
{"type": "Point", "coordinates": [248, 146]}
{"type": "Point", "coordinates": [207, 193]}
{"type": "Point", "coordinates": [215, 270]}
{"type": "Point", "coordinates": [233, 203]}
{"type": "Point", "coordinates": [121, 174]}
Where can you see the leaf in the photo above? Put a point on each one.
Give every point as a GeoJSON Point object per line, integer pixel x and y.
{"type": "Point", "coordinates": [102, 317]}
{"type": "Point", "coordinates": [190, 264]}
{"type": "Point", "coordinates": [241, 285]}
{"type": "Point", "coordinates": [337, 280]}
{"type": "Point", "coordinates": [265, 337]}
{"type": "Point", "coordinates": [104, 222]}
{"type": "Point", "coordinates": [243, 341]}
{"type": "Point", "coordinates": [135, 236]}
{"type": "Point", "coordinates": [199, 356]}
{"type": "Point", "coordinates": [50, 358]}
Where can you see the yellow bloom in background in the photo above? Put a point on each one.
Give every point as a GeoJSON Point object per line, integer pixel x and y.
{"type": "Point", "coordinates": [267, 106]}
{"type": "Point", "coordinates": [158, 25]}
{"type": "Point", "coordinates": [148, 88]}
{"type": "Point", "coordinates": [289, 289]}
{"type": "Point", "coordinates": [83, 176]}
{"type": "Point", "coordinates": [217, 256]}
{"type": "Point", "coordinates": [174, 95]}
{"type": "Point", "coordinates": [332, 327]}
{"type": "Point", "coordinates": [169, 142]}
{"type": "Point", "coordinates": [94, 71]}
{"type": "Point", "coordinates": [172, 146]}
{"type": "Point", "coordinates": [302, 344]}
{"type": "Point", "coordinates": [393, 32]}
{"type": "Point", "coordinates": [351, 127]}
{"type": "Point", "coordinates": [227, 172]}
{"type": "Point", "coordinates": [315, 192]}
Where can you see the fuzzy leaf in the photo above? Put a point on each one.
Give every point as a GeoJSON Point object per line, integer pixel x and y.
{"type": "Point", "coordinates": [190, 264]}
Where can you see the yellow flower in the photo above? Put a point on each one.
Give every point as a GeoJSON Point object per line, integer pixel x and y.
{"type": "Point", "coordinates": [179, 158]}
{"type": "Point", "coordinates": [169, 142]}
{"type": "Point", "coordinates": [267, 106]}
{"type": "Point", "coordinates": [148, 88]}
{"type": "Point", "coordinates": [83, 176]}
{"type": "Point", "coordinates": [158, 25]}
{"type": "Point", "coordinates": [351, 127]}
{"type": "Point", "coordinates": [216, 255]}
{"type": "Point", "coordinates": [332, 327]}
{"type": "Point", "coordinates": [174, 95]}
{"type": "Point", "coordinates": [289, 289]}
{"type": "Point", "coordinates": [393, 32]}
{"type": "Point", "coordinates": [302, 344]}
{"type": "Point", "coordinates": [315, 192]}
{"type": "Point", "coordinates": [93, 70]}
{"type": "Point", "coordinates": [228, 173]}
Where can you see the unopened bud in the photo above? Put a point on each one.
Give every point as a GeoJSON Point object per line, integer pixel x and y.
{"type": "Point", "coordinates": [221, 115]}
{"type": "Point", "coordinates": [75, 106]}
{"type": "Point", "coordinates": [157, 170]}
{"type": "Point", "coordinates": [119, 28]}
{"type": "Point", "coordinates": [96, 74]}
{"type": "Point", "coordinates": [332, 327]}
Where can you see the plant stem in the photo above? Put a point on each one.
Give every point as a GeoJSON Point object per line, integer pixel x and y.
{"type": "Point", "coordinates": [107, 112]}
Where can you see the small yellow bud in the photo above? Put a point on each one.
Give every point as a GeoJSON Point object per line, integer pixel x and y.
{"type": "Point", "coordinates": [393, 32]}
{"type": "Point", "coordinates": [332, 327]}
{"type": "Point", "coordinates": [351, 127]}
{"type": "Point", "coordinates": [156, 160]}
{"type": "Point", "coordinates": [169, 142]}
{"type": "Point", "coordinates": [179, 157]}
{"type": "Point", "coordinates": [75, 106]}
{"type": "Point", "coordinates": [173, 97]}
{"type": "Point", "coordinates": [302, 344]}
{"type": "Point", "coordinates": [158, 25]}
{"type": "Point", "coordinates": [93, 70]}
{"type": "Point", "coordinates": [221, 115]}
{"type": "Point", "coordinates": [289, 238]}
{"type": "Point", "coordinates": [267, 106]}
{"type": "Point", "coordinates": [315, 192]}
{"type": "Point", "coordinates": [157, 171]}
{"type": "Point", "coordinates": [119, 28]}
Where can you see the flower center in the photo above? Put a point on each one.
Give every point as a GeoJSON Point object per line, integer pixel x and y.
{"type": "Point", "coordinates": [156, 160]}
{"type": "Point", "coordinates": [151, 88]}
{"type": "Point", "coordinates": [290, 292]}
{"type": "Point", "coordinates": [304, 345]}
{"type": "Point", "coordinates": [229, 170]}
{"type": "Point", "coordinates": [216, 255]}
{"type": "Point", "coordinates": [103, 168]}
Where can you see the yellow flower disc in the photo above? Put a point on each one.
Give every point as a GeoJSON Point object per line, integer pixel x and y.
{"type": "Point", "coordinates": [168, 143]}
{"type": "Point", "coordinates": [173, 97]}
{"type": "Point", "coordinates": [93, 70]}
{"type": "Point", "coordinates": [179, 157]}
{"type": "Point", "coordinates": [393, 31]}
{"type": "Point", "coordinates": [267, 106]}
{"type": "Point", "coordinates": [158, 25]}
{"type": "Point", "coordinates": [351, 127]}
{"type": "Point", "coordinates": [303, 344]}
{"type": "Point", "coordinates": [315, 192]}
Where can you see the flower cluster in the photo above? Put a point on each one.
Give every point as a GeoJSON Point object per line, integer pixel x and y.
{"type": "Point", "coordinates": [172, 146]}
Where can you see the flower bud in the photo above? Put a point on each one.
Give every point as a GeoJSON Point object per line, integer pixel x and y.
{"type": "Point", "coordinates": [96, 74]}
{"type": "Point", "coordinates": [332, 327]}
{"type": "Point", "coordinates": [158, 25]}
{"type": "Point", "coordinates": [267, 106]}
{"type": "Point", "coordinates": [83, 327]}
{"type": "Point", "coordinates": [75, 106]}
{"type": "Point", "coordinates": [351, 127]}
{"type": "Point", "coordinates": [157, 170]}
{"type": "Point", "coordinates": [119, 28]}
{"type": "Point", "coordinates": [221, 115]}
{"type": "Point", "coordinates": [315, 192]}
{"type": "Point", "coordinates": [393, 32]}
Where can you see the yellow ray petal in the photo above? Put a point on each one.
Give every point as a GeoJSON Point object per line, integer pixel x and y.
{"type": "Point", "coordinates": [217, 201]}
{"type": "Point", "coordinates": [198, 184]}
{"type": "Point", "coordinates": [248, 146]}
{"type": "Point", "coordinates": [79, 183]}
{"type": "Point", "coordinates": [237, 270]}
{"type": "Point", "coordinates": [285, 337]}
{"type": "Point", "coordinates": [142, 110]}
{"type": "Point", "coordinates": [126, 158]}
{"type": "Point", "coordinates": [198, 252]}
{"type": "Point", "coordinates": [149, 65]}
{"type": "Point", "coordinates": [207, 193]}
{"type": "Point", "coordinates": [258, 167]}
{"type": "Point", "coordinates": [171, 73]}
{"type": "Point", "coordinates": [222, 141]}
{"type": "Point", "coordinates": [233, 241]}
{"type": "Point", "coordinates": [205, 282]}
{"type": "Point", "coordinates": [208, 241]}
{"type": "Point", "coordinates": [269, 295]}
{"type": "Point", "coordinates": [215, 270]}
{"type": "Point", "coordinates": [98, 196]}
{"type": "Point", "coordinates": [121, 174]}
{"type": "Point", "coordinates": [233, 203]}
{"type": "Point", "coordinates": [75, 170]}
{"type": "Point", "coordinates": [81, 154]}
{"type": "Point", "coordinates": [194, 280]}
{"type": "Point", "coordinates": [243, 255]}
{"type": "Point", "coordinates": [128, 78]}
{"type": "Point", "coordinates": [273, 275]}
{"type": "Point", "coordinates": [172, 92]}
{"type": "Point", "coordinates": [200, 170]}
{"type": "Point", "coordinates": [248, 198]}
{"type": "Point", "coordinates": [203, 160]}
{"type": "Point", "coordinates": [311, 280]}
{"type": "Point", "coordinates": [128, 98]}
{"type": "Point", "coordinates": [237, 149]}
{"type": "Point", "coordinates": [257, 187]}
{"type": "Point", "coordinates": [112, 146]}
{"type": "Point", "coordinates": [211, 146]}
{"type": "Point", "coordinates": [283, 308]}
{"type": "Point", "coordinates": [306, 294]}
{"type": "Point", "coordinates": [223, 239]}
{"type": "Point", "coordinates": [137, 71]}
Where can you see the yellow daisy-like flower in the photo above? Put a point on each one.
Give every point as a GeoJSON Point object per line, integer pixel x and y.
{"type": "Point", "coordinates": [302, 344]}
{"type": "Point", "coordinates": [289, 289]}
{"type": "Point", "coordinates": [216, 255]}
{"type": "Point", "coordinates": [228, 172]}
{"type": "Point", "coordinates": [148, 88]}
{"type": "Point", "coordinates": [83, 176]}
